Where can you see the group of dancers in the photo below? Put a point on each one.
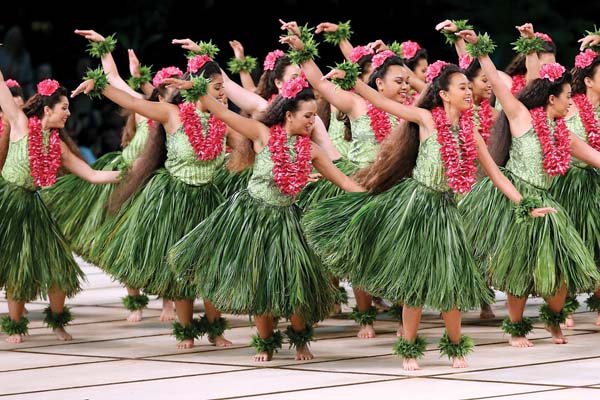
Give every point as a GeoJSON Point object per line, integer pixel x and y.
{"type": "Point", "coordinates": [428, 184]}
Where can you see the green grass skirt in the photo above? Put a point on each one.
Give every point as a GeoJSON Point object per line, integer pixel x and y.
{"type": "Point", "coordinates": [230, 183]}
{"type": "Point", "coordinates": [535, 256]}
{"type": "Point", "coordinates": [406, 244]}
{"type": "Point", "coordinates": [132, 246]}
{"type": "Point", "coordinates": [579, 193]}
{"type": "Point", "coordinates": [250, 257]}
{"type": "Point", "coordinates": [315, 192]}
{"type": "Point", "coordinates": [79, 207]}
{"type": "Point", "coordinates": [36, 257]}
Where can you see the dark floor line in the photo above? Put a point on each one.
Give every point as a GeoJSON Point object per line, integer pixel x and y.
{"type": "Point", "coordinates": [502, 382]}
{"type": "Point", "coordinates": [58, 365]}
{"type": "Point", "coordinates": [110, 358]}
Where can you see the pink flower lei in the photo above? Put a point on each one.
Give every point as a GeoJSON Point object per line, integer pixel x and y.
{"type": "Point", "coordinates": [557, 155]}
{"type": "Point", "coordinates": [206, 147]}
{"type": "Point", "coordinates": [292, 87]}
{"type": "Point", "coordinates": [518, 83]}
{"type": "Point", "coordinates": [197, 62]}
{"type": "Point", "coordinates": [44, 161]}
{"type": "Point", "coordinates": [271, 59]}
{"type": "Point", "coordinates": [485, 119]}
{"type": "Point", "coordinates": [380, 122]}
{"type": "Point", "coordinates": [409, 49]}
{"type": "Point", "coordinates": [585, 58]}
{"type": "Point", "coordinates": [589, 120]}
{"type": "Point", "coordinates": [289, 177]}
{"type": "Point", "coordinates": [165, 73]}
{"type": "Point", "coordinates": [552, 72]}
{"type": "Point", "coordinates": [359, 52]}
{"type": "Point", "coordinates": [434, 70]}
{"type": "Point", "coordinates": [47, 87]}
{"type": "Point", "coordinates": [460, 168]}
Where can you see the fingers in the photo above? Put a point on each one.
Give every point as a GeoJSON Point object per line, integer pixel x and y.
{"type": "Point", "coordinates": [443, 24]}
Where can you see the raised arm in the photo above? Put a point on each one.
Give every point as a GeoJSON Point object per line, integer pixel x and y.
{"type": "Point", "coordinates": [345, 45]}
{"type": "Point", "coordinates": [532, 61]}
{"type": "Point", "coordinates": [245, 76]}
{"type": "Point", "coordinates": [77, 166]}
{"type": "Point", "coordinates": [135, 70]}
{"type": "Point", "coordinates": [249, 102]}
{"type": "Point", "coordinates": [11, 112]}
{"type": "Point", "coordinates": [324, 165]}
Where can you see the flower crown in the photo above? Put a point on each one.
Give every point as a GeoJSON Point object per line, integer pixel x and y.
{"type": "Point", "coordinates": [11, 83]}
{"type": "Point", "coordinates": [409, 49]}
{"type": "Point", "coordinates": [585, 58]}
{"type": "Point", "coordinates": [552, 71]}
{"type": "Point", "coordinates": [435, 69]}
{"type": "Point", "coordinates": [165, 73]}
{"type": "Point", "coordinates": [292, 87]}
{"type": "Point", "coordinates": [359, 52]}
{"type": "Point", "coordinates": [464, 60]}
{"type": "Point", "coordinates": [47, 87]}
{"type": "Point", "coordinates": [271, 59]}
{"type": "Point", "coordinates": [379, 58]}
{"type": "Point", "coordinates": [543, 36]}
{"type": "Point", "coordinates": [197, 62]}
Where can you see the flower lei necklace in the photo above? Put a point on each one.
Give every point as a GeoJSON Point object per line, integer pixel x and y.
{"type": "Point", "coordinates": [518, 83]}
{"type": "Point", "coordinates": [557, 156]}
{"type": "Point", "coordinates": [588, 117]}
{"type": "Point", "coordinates": [485, 119]}
{"type": "Point", "coordinates": [289, 177]}
{"type": "Point", "coordinates": [44, 160]}
{"type": "Point", "coordinates": [205, 147]}
{"type": "Point", "coordinates": [380, 122]}
{"type": "Point", "coordinates": [460, 168]}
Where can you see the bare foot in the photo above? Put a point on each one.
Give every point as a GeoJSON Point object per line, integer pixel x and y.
{"type": "Point", "coordinates": [400, 331]}
{"type": "Point", "coordinates": [263, 356]}
{"type": "Point", "coordinates": [557, 335]}
{"type": "Point", "coordinates": [410, 364]}
{"type": "Point", "coordinates": [459, 362]}
{"type": "Point", "coordinates": [569, 322]}
{"type": "Point", "coordinates": [168, 311]}
{"type": "Point", "coordinates": [304, 354]}
{"type": "Point", "coordinates": [185, 344]}
{"type": "Point", "coordinates": [135, 316]}
{"type": "Point", "coordinates": [519, 341]}
{"type": "Point", "coordinates": [61, 334]}
{"type": "Point", "coordinates": [220, 341]}
{"type": "Point", "coordinates": [366, 332]}
{"type": "Point", "coordinates": [598, 319]}
{"type": "Point", "coordinates": [487, 312]}
{"type": "Point", "coordinates": [15, 339]}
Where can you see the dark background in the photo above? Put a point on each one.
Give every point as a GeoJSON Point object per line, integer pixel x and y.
{"type": "Point", "coordinates": [149, 26]}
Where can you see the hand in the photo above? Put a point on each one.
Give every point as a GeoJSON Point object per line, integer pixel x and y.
{"type": "Point", "coordinates": [468, 35]}
{"type": "Point", "coordinates": [187, 44]}
{"type": "Point", "coordinates": [291, 27]}
{"type": "Point", "coordinates": [85, 88]}
{"type": "Point", "coordinates": [542, 211]}
{"type": "Point", "coordinates": [238, 49]}
{"type": "Point", "coordinates": [589, 41]}
{"type": "Point", "coordinates": [313, 177]}
{"type": "Point", "coordinates": [526, 30]}
{"type": "Point", "coordinates": [134, 64]}
{"type": "Point", "coordinates": [378, 46]}
{"type": "Point", "coordinates": [446, 25]}
{"type": "Point", "coordinates": [294, 42]}
{"type": "Point", "coordinates": [326, 27]}
{"type": "Point", "coordinates": [178, 83]}
{"type": "Point", "coordinates": [334, 74]}
{"type": "Point", "coordinates": [90, 35]}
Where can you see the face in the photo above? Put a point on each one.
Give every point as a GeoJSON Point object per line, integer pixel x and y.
{"type": "Point", "coordinates": [57, 115]}
{"type": "Point", "coordinates": [290, 72]}
{"type": "Point", "coordinates": [482, 88]}
{"type": "Point", "coordinates": [593, 83]}
{"type": "Point", "coordinates": [421, 69]}
{"type": "Point", "coordinates": [459, 93]}
{"type": "Point", "coordinates": [547, 58]}
{"type": "Point", "coordinates": [559, 105]}
{"type": "Point", "coordinates": [216, 87]}
{"type": "Point", "coordinates": [302, 121]}
{"type": "Point", "coordinates": [394, 84]}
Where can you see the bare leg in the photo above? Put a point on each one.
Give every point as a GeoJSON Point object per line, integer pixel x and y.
{"type": "Point", "coordinates": [452, 322]}
{"type": "Point", "coordinates": [363, 303]}
{"type": "Point", "coordinates": [185, 314]}
{"type": "Point", "coordinates": [15, 312]}
{"type": "Point", "coordinates": [57, 305]}
{"type": "Point", "coordinates": [168, 311]}
{"type": "Point", "coordinates": [264, 326]}
{"type": "Point", "coordinates": [556, 304]}
{"type": "Point", "coordinates": [411, 318]}
{"type": "Point", "coordinates": [212, 314]}
{"type": "Point", "coordinates": [302, 353]}
{"type": "Point", "coordinates": [134, 315]}
{"type": "Point", "coordinates": [516, 307]}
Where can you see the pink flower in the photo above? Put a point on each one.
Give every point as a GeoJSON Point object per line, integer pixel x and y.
{"type": "Point", "coordinates": [464, 60]}
{"type": "Point", "coordinates": [409, 49]}
{"type": "Point", "coordinates": [197, 62]}
{"type": "Point", "coordinates": [359, 52]}
{"type": "Point", "coordinates": [165, 73]}
{"type": "Point", "coordinates": [379, 58]}
{"type": "Point", "coordinates": [585, 58]}
{"type": "Point", "coordinates": [271, 59]}
{"type": "Point", "coordinates": [47, 87]}
{"type": "Point", "coordinates": [552, 71]}
{"type": "Point", "coordinates": [434, 70]}
{"type": "Point", "coordinates": [292, 87]}
{"type": "Point", "coordinates": [12, 83]}
{"type": "Point", "coordinates": [543, 36]}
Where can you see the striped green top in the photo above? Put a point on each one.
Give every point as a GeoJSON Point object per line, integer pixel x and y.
{"type": "Point", "coordinates": [429, 169]}
{"type": "Point", "coordinates": [575, 125]}
{"type": "Point", "coordinates": [336, 134]}
{"type": "Point", "coordinates": [526, 160]}
{"type": "Point", "coordinates": [16, 168]}
{"type": "Point", "coordinates": [364, 145]}
{"type": "Point", "coordinates": [135, 147]}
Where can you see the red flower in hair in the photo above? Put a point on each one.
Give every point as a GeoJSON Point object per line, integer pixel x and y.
{"type": "Point", "coordinates": [197, 62]}
{"type": "Point", "coordinates": [434, 70]}
{"type": "Point", "coordinates": [552, 71]}
{"type": "Point", "coordinates": [292, 87]}
{"type": "Point", "coordinates": [409, 49]}
{"type": "Point", "coordinates": [271, 59]}
{"type": "Point", "coordinates": [165, 73]}
{"type": "Point", "coordinates": [12, 83]}
{"type": "Point", "coordinates": [379, 58]}
{"type": "Point", "coordinates": [585, 58]}
{"type": "Point", "coordinates": [543, 36]}
{"type": "Point", "coordinates": [464, 60]}
{"type": "Point", "coordinates": [359, 52]}
{"type": "Point", "coordinates": [47, 87]}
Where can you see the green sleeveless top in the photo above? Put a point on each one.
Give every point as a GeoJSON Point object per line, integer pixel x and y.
{"type": "Point", "coordinates": [336, 134]}
{"type": "Point", "coordinates": [575, 125]}
{"type": "Point", "coordinates": [526, 160]}
{"type": "Point", "coordinates": [364, 145]}
{"type": "Point", "coordinates": [135, 147]}
{"type": "Point", "coordinates": [429, 170]}
{"type": "Point", "coordinates": [183, 164]}
{"type": "Point", "coordinates": [16, 167]}
{"type": "Point", "coordinates": [261, 185]}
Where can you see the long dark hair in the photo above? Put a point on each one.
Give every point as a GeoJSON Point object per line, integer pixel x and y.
{"type": "Point", "coordinates": [266, 84]}
{"type": "Point", "coordinates": [398, 153]}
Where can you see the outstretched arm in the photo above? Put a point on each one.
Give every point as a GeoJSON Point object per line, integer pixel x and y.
{"type": "Point", "coordinates": [324, 165]}
{"type": "Point", "coordinates": [345, 45]}
{"type": "Point", "coordinates": [249, 102]}
{"type": "Point", "coordinates": [77, 166]}
{"type": "Point", "coordinates": [11, 112]}
{"type": "Point", "coordinates": [532, 61]}
{"type": "Point", "coordinates": [584, 151]}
